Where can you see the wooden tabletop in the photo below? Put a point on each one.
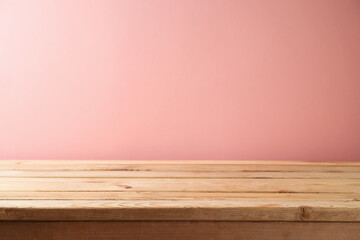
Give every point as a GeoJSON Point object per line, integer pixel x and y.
{"type": "Point", "coordinates": [79, 190]}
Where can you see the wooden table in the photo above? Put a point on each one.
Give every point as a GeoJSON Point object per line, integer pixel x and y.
{"type": "Point", "coordinates": [250, 200]}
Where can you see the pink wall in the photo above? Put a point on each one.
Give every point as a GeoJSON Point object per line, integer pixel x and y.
{"type": "Point", "coordinates": [180, 79]}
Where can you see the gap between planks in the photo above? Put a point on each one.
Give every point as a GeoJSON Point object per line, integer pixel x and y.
{"type": "Point", "coordinates": [162, 174]}
{"type": "Point", "coordinates": [177, 196]}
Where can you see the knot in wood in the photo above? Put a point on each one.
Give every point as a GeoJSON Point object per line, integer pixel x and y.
{"type": "Point", "coordinates": [305, 213]}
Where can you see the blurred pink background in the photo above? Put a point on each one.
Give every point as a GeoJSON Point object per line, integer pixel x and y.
{"type": "Point", "coordinates": [180, 79]}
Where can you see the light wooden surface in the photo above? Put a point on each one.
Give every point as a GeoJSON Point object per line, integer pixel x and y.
{"type": "Point", "coordinates": [63, 190]}
{"type": "Point", "coordinates": [219, 200]}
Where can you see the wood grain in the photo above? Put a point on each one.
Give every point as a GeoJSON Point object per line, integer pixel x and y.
{"type": "Point", "coordinates": [178, 231]}
{"type": "Point", "coordinates": [183, 185]}
{"type": "Point", "coordinates": [33, 190]}
{"type": "Point", "coordinates": [174, 210]}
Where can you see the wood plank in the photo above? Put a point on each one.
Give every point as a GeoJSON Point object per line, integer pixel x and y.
{"type": "Point", "coordinates": [168, 174]}
{"type": "Point", "coordinates": [178, 230]}
{"type": "Point", "coordinates": [170, 210]}
{"type": "Point", "coordinates": [180, 167]}
{"type": "Point", "coordinates": [305, 197]}
{"type": "Point", "coordinates": [183, 185]}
